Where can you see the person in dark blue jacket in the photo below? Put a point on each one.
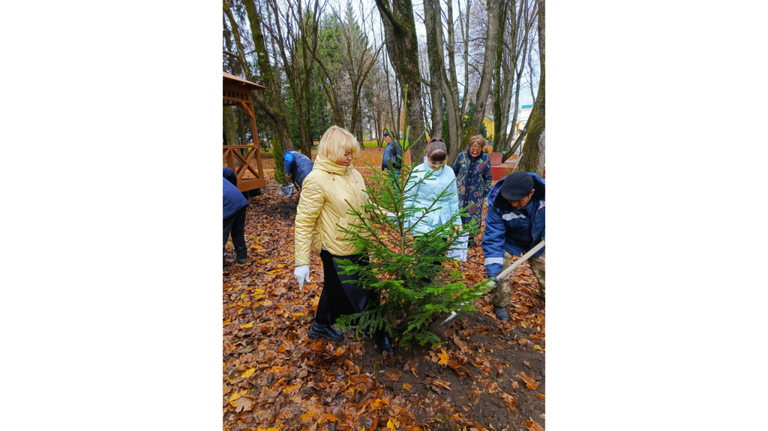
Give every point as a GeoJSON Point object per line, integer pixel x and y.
{"type": "Point", "coordinates": [235, 206]}
{"type": "Point", "coordinates": [393, 155]}
{"type": "Point", "coordinates": [297, 167]}
{"type": "Point", "coordinates": [229, 174]}
{"type": "Point", "coordinates": [514, 224]}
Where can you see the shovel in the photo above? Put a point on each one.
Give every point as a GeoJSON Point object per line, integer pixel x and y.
{"type": "Point", "coordinates": [441, 325]}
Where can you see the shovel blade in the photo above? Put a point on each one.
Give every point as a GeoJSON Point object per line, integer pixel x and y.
{"type": "Point", "coordinates": [439, 326]}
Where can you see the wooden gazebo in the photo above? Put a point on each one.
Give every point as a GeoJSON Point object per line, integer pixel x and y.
{"type": "Point", "coordinates": [237, 92]}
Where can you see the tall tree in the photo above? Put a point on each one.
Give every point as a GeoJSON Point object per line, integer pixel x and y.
{"type": "Point", "coordinates": [455, 108]}
{"type": "Point", "coordinates": [436, 70]}
{"type": "Point", "coordinates": [393, 87]}
{"type": "Point", "coordinates": [484, 89]}
{"type": "Point", "coordinates": [357, 59]}
{"type": "Point", "coordinates": [329, 65]}
{"type": "Point", "coordinates": [272, 104]}
{"type": "Point", "coordinates": [375, 99]}
{"type": "Point", "coordinates": [532, 159]}
{"type": "Point", "coordinates": [230, 118]}
{"type": "Point", "coordinates": [295, 35]}
{"type": "Point", "coordinates": [510, 64]}
{"type": "Point", "coordinates": [453, 122]}
{"type": "Point", "coordinates": [403, 50]}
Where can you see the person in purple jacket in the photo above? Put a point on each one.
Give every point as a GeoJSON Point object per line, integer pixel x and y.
{"type": "Point", "coordinates": [235, 206]}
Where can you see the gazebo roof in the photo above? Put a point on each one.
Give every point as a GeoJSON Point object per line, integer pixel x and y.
{"type": "Point", "coordinates": [234, 80]}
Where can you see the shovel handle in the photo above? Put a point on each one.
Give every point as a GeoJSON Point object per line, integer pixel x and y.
{"type": "Point", "coordinates": [519, 262]}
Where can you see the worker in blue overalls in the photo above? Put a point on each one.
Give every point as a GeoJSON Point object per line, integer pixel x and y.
{"type": "Point", "coordinates": [297, 167]}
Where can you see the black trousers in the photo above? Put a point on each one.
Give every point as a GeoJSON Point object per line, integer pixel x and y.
{"type": "Point", "coordinates": [235, 224]}
{"type": "Point", "coordinates": [340, 296]}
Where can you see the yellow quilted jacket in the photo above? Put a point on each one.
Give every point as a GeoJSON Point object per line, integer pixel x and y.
{"type": "Point", "coordinates": [323, 205]}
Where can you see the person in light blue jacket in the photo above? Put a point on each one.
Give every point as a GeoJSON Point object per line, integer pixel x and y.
{"type": "Point", "coordinates": [424, 194]}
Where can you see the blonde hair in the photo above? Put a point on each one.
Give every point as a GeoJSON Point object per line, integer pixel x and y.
{"type": "Point", "coordinates": [335, 142]}
{"type": "Point", "coordinates": [477, 140]}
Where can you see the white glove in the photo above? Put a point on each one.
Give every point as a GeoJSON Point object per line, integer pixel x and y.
{"type": "Point", "coordinates": [302, 274]}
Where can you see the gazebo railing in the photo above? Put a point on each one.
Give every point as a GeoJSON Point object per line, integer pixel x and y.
{"type": "Point", "coordinates": [248, 178]}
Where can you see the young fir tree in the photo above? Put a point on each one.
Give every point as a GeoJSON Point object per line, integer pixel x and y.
{"type": "Point", "coordinates": [415, 280]}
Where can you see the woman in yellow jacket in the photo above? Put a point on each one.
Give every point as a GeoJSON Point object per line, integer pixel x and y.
{"type": "Point", "coordinates": [328, 191]}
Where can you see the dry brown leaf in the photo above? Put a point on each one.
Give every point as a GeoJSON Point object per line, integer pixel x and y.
{"type": "Point", "coordinates": [244, 404]}
{"type": "Point", "coordinates": [530, 383]}
{"type": "Point", "coordinates": [509, 400]}
{"type": "Point", "coordinates": [442, 384]}
{"type": "Point", "coordinates": [394, 375]}
{"type": "Point", "coordinates": [462, 345]}
{"type": "Point", "coordinates": [407, 387]}
{"type": "Point", "coordinates": [530, 425]}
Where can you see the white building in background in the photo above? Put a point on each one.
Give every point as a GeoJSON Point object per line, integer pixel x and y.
{"type": "Point", "coordinates": [522, 117]}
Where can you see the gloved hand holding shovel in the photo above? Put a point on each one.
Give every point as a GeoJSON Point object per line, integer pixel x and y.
{"type": "Point", "coordinates": [441, 325]}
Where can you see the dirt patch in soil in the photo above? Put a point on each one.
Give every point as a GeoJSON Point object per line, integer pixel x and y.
{"type": "Point", "coordinates": [282, 207]}
{"type": "Point", "coordinates": [484, 380]}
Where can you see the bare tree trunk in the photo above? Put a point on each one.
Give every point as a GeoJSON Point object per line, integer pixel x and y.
{"type": "Point", "coordinates": [432, 15]}
{"type": "Point", "coordinates": [331, 95]}
{"type": "Point", "coordinates": [297, 47]}
{"type": "Point", "coordinates": [229, 117]}
{"type": "Point", "coordinates": [530, 70]}
{"type": "Point", "coordinates": [403, 50]}
{"type": "Point", "coordinates": [449, 83]}
{"type": "Point", "coordinates": [513, 68]}
{"type": "Point", "coordinates": [358, 79]}
{"type": "Point", "coordinates": [275, 102]}
{"type": "Point", "coordinates": [485, 80]}
{"type": "Point", "coordinates": [532, 159]}
{"type": "Point", "coordinates": [273, 106]}
{"type": "Point", "coordinates": [500, 123]}
{"type": "Point", "coordinates": [377, 126]}
{"type": "Point", "coordinates": [359, 131]}
{"type": "Point", "coordinates": [392, 120]}
{"type": "Point", "coordinates": [229, 126]}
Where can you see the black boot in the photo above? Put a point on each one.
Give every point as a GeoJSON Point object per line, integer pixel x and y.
{"type": "Point", "coordinates": [383, 341]}
{"type": "Point", "coordinates": [501, 313]}
{"type": "Point", "coordinates": [325, 331]}
{"type": "Point", "coordinates": [471, 242]}
{"type": "Point", "coordinates": [242, 256]}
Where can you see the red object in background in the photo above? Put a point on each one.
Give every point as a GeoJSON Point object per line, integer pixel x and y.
{"type": "Point", "coordinates": [501, 171]}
